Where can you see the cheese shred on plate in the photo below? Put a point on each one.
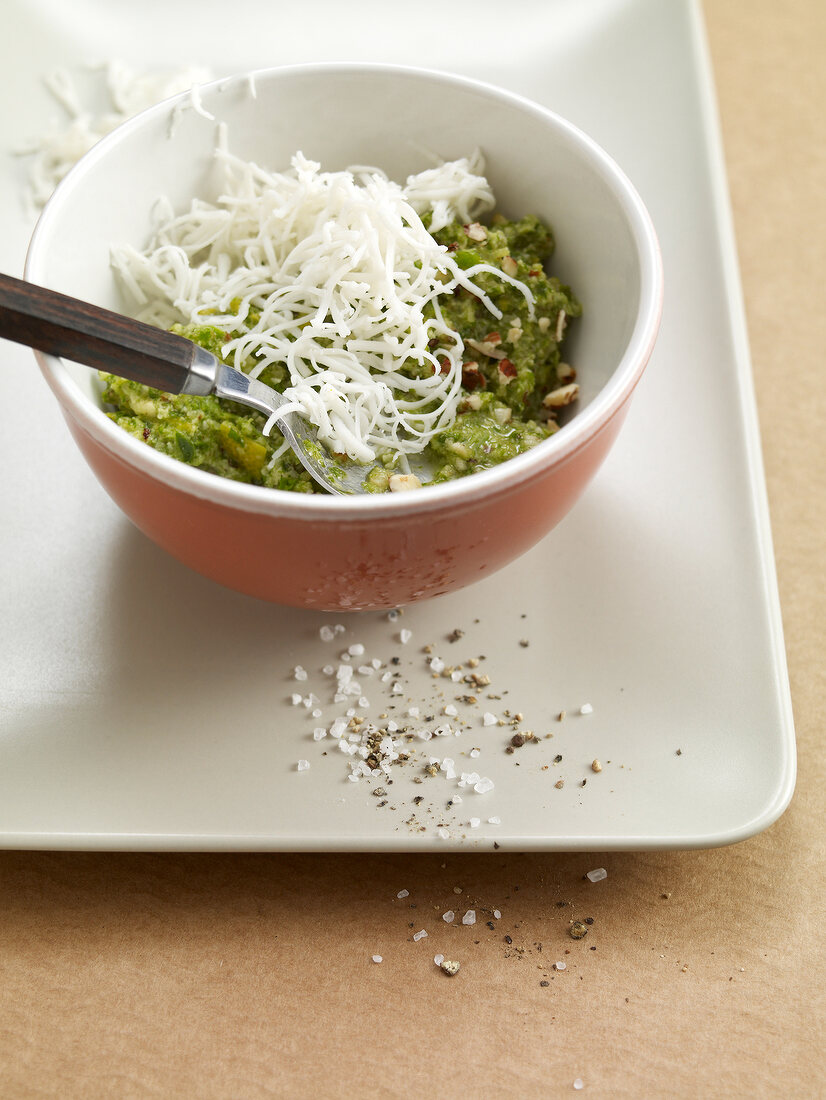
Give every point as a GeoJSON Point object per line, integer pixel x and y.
{"type": "Point", "coordinates": [336, 276]}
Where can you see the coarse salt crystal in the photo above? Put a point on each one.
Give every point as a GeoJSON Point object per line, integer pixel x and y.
{"type": "Point", "coordinates": [421, 935]}
{"type": "Point", "coordinates": [377, 958]}
{"type": "Point", "coordinates": [392, 726]}
{"type": "Point", "coordinates": [456, 800]}
{"type": "Point", "coordinates": [339, 628]}
{"type": "Point", "coordinates": [356, 650]}
{"type": "Point", "coordinates": [326, 633]}
{"type": "Point", "coordinates": [448, 916]}
{"type": "Point", "coordinates": [364, 701]}
{"type": "Point", "coordinates": [437, 664]}
{"type": "Point", "coordinates": [354, 777]}
{"type": "Point", "coordinates": [302, 765]}
{"type": "Point", "coordinates": [597, 875]}
{"type": "Point", "coordinates": [365, 670]}
{"type": "Point", "coordinates": [385, 676]}
{"type": "Point", "coordinates": [560, 965]}
{"type": "Point", "coordinates": [456, 676]}
{"type": "Point", "coordinates": [579, 1083]}
{"type": "Point", "coordinates": [319, 733]}
{"type": "Point", "coordinates": [328, 670]}
{"type": "Point", "coordinates": [586, 708]}
{"type": "Point", "coordinates": [483, 786]}
{"type": "Point", "coordinates": [376, 663]}
{"type": "Point", "coordinates": [338, 727]}
{"type": "Point", "coordinates": [469, 917]}
{"type": "Point", "coordinates": [489, 719]}
{"type": "Point", "coordinates": [300, 673]}
{"type": "Point", "coordinates": [497, 914]}
{"type": "Point", "coordinates": [438, 959]}
{"type": "Point", "coordinates": [450, 710]}
{"type": "Point", "coordinates": [444, 834]}
{"type": "Point", "coordinates": [396, 689]}
{"type": "Point", "coordinates": [474, 753]}
{"type": "Point", "coordinates": [403, 894]}
{"type": "Point", "coordinates": [295, 699]}
{"type": "Point", "coordinates": [494, 821]}
{"type": "Point", "coordinates": [317, 712]}
{"type": "Point", "coordinates": [475, 822]}
{"type": "Point", "coordinates": [413, 712]}
{"type": "Point", "coordinates": [405, 636]}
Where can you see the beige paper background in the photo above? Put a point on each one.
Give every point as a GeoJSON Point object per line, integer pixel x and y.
{"type": "Point", "coordinates": [249, 975]}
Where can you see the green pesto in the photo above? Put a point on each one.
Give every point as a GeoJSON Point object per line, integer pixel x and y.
{"type": "Point", "coordinates": [500, 414]}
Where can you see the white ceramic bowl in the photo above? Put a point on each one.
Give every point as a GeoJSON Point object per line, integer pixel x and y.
{"type": "Point", "coordinates": [348, 553]}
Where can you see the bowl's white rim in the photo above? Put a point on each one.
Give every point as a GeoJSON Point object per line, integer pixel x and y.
{"type": "Point", "coordinates": [555, 451]}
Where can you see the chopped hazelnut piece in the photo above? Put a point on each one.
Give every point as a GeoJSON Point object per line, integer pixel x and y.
{"type": "Point", "coordinates": [507, 372]}
{"type": "Point", "coordinates": [562, 396]}
{"type": "Point", "coordinates": [486, 347]}
{"type": "Point", "coordinates": [400, 483]}
{"type": "Point", "coordinates": [472, 377]}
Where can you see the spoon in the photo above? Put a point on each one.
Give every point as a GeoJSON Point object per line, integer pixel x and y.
{"type": "Point", "coordinates": [64, 326]}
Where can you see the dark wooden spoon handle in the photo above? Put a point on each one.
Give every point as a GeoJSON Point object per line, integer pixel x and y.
{"type": "Point", "coordinates": [60, 325]}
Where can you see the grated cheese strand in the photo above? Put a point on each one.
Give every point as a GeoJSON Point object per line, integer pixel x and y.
{"type": "Point", "coordinates": [334, 275]}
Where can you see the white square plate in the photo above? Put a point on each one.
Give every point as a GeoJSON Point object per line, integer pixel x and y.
{"type": "Point", "coordinates": [143, 707]}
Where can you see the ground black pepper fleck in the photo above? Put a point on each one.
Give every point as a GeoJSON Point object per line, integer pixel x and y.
{"type": "Point", "coordinates": [589, 920]}
{"type": "Point", "coordinates": [508, 939]}
{"type": "Point", "coordinates": [584, 781]}
{"type": "Point", "coordinates": [558, 758]}
{"type": "Point", "coordinates": [544, 983]}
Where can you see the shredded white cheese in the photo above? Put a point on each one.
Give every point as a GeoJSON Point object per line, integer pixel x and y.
{"type": "Point", "coordinates": [338, 279]}
{"type": "Point", "coordinates": [126, 92]}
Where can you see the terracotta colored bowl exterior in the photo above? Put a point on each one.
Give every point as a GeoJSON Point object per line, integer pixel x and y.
{"type": "Point", "coordinates": [369, 552]}
{"type": "Point", "coordinates": [333, 564]}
